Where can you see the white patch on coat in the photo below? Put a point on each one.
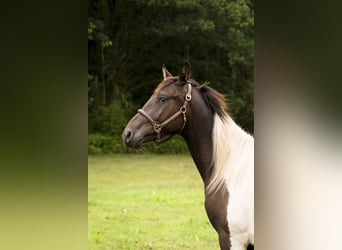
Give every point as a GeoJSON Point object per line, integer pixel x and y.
{"type": "Point", "coordinates": [233, 158]}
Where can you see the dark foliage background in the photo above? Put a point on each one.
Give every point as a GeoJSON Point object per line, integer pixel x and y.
{"type": "Point", "coordinates": [129, 40]}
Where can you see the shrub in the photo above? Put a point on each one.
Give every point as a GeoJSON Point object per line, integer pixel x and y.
{"type": "Point", "coordinates": [176, 145]}
{"type": "Point", "coordinates": [110, 120]}
{"type": "Point", "coordinates": [101, 144]}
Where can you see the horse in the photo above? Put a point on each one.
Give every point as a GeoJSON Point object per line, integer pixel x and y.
{"type": "Point", "coordinates": [222, 151]}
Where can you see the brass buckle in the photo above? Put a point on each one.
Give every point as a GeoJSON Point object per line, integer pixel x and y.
{"type": "Point", "coordinates": [157, 127]}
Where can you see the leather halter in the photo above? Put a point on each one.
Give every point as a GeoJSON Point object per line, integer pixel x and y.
{"type": "Point", "coordinates": [157, 127]}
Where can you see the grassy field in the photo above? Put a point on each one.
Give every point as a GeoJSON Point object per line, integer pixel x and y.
{"type": "Point", "coordinates": [146, 202]}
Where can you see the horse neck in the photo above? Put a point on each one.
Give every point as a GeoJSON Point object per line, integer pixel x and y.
{"type": "Point", "coordinates": [198, 136]}
{"type": "Point", "coordinates": [238, 146]}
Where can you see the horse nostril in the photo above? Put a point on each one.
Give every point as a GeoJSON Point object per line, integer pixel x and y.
{"type": "Point", "coordinates": [128, 134]}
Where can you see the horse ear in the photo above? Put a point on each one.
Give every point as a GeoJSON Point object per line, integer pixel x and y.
{"type": "Point", "coordinates": [165, 72]}
{"type": "Point", "coordinates": [186, 72]}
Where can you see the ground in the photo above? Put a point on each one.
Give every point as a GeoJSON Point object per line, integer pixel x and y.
{"type": "Point", "coordinates": [146, 202]}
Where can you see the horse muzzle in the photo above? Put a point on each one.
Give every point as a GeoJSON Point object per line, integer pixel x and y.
{"type": "Point", "coordinates": [130, 139]}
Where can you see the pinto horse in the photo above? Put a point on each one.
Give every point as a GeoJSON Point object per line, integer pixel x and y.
{"type": "Point", "coordinates": [221, 150]}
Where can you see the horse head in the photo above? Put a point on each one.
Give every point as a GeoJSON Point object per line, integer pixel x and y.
{"type": "Point", "coordinates": [164, 114]}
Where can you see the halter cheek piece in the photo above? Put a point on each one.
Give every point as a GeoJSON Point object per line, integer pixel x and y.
{"type": "Point", "coordinates": [157, 127]}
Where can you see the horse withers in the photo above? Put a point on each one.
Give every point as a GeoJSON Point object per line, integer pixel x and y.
{"type": "Point", "coordinates": [221, 150]}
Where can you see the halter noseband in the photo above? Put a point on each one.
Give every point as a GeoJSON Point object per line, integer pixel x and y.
{"type": "Point", "coordinates": [157, 127]}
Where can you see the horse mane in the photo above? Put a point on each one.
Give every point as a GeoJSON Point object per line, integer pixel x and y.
{"type": "Point", "coordinates": [232, 146]}
{"type": "Point", "coordinates": [214, 99]}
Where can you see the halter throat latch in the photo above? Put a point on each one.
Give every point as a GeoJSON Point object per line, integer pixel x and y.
{"type": "Point", "coordinates": [157, 127]}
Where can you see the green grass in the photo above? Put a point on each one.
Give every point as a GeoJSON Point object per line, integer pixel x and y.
{"type": "Point", "coordinates": [147, 202]}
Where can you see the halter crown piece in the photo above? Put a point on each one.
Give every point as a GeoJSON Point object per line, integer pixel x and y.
{"type": "Point", "coordinates": [157, 127]}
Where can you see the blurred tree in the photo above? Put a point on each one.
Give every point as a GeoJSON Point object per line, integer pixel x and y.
{"type": "Point", "coordinates": [129, 40]}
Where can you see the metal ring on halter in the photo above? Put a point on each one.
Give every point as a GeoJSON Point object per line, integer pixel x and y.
{"type": "Point", "coordinates": [188, 97]}
{"type": "Point", "coordinates": [183, 109]}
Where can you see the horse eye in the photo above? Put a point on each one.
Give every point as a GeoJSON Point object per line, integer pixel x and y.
{"type": "Point", "coordinates": [163, 99]}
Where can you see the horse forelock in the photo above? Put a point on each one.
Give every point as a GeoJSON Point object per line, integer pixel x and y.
{"type": "Point", "coordinates": [214, 99]}
{"type": "Point", "coordinates": [166, 82]}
